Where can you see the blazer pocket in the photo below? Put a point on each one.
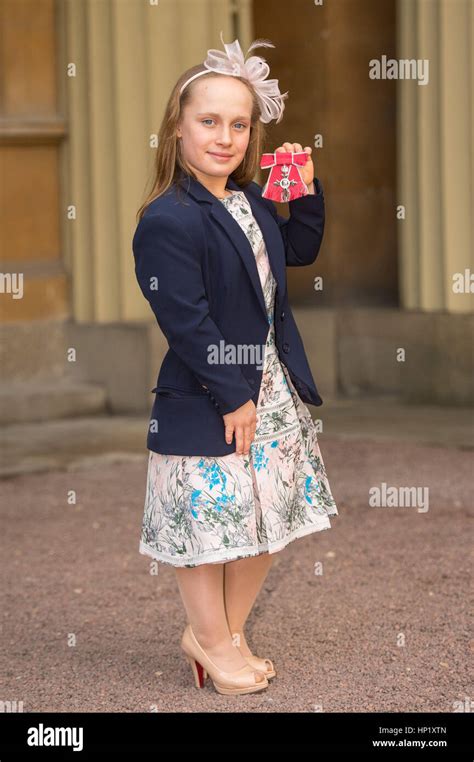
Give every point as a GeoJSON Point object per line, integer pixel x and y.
{"type": "Point", "coordinates": [176, 393]}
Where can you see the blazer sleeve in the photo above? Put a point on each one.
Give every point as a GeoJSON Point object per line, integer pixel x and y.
{"type": "Point", "coordinates": [168, 270]}
{"type": "Point", "coordinates": [303, 230]}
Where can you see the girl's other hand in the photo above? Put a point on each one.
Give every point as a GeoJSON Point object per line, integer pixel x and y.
{"type": "Point", "coordinates": [243, 422]}
{"type": "Point", "coordinates": [307, 172]}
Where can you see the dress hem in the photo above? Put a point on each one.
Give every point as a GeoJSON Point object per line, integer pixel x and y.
{"type": "Point", "coordinates": [234, 553]}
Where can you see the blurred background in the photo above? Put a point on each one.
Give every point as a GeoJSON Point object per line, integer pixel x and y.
{"type": "Point", "coordinates": [383, 91]}
{"type": "Point", "coordinates": [83, 89]}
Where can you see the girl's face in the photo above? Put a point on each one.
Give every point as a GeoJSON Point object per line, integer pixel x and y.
{"type": "Point", "coordinates": [216, 121]}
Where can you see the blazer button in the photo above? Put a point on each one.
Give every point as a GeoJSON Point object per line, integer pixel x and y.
{"type": "Point", "coordinates": [282, 316]}
{"type": "Point", "coordinates": [286, 347]}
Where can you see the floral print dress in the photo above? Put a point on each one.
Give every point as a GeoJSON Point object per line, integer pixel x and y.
{"type": "Point", "coordinates": [201, 510]}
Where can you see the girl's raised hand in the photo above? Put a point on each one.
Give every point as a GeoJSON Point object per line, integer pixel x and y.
{"type": "Point", "coordinates": [307, 172]}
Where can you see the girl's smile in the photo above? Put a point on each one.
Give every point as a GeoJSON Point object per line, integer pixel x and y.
{"type": "Point", "coordinates": [220, 156]}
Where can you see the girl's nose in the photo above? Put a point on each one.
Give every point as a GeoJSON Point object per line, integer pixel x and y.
{"type": "Point", "coordinates": [225, 137]}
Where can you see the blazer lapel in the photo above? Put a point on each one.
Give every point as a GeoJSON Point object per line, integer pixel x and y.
{"type": "Point", "coordinates": [270, 232]}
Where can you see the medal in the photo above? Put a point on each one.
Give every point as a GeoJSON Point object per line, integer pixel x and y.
{"type": "Point", "coordinates": [284, 182]}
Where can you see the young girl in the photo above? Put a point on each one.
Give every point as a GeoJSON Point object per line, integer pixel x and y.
{"type": "Point", "coordinates": [235, 472]}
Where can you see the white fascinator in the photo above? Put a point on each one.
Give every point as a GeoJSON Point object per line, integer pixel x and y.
{"type": "Point", "coordinates": [255, 69]}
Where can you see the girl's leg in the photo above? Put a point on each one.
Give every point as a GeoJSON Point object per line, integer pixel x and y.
{"type": "Point", "coordinates": [202, 591]}
{"type": "Point", "coordinates": [243, 580]}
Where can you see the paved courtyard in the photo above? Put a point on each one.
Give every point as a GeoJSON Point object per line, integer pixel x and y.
{"type": "Point", "coordinates": [384, 627]}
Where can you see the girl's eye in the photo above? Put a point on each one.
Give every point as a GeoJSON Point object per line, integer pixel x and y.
{"type": "Point", "coordinates": [211, 120]}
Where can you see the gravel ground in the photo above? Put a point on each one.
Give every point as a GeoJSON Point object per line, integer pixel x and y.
{"type": "Point", "coordinates": [86, 627]}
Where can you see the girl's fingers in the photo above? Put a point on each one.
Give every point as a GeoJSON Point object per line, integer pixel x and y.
{"type": "Point", "coordinates": [229, 431]}
{"type": "Point", "coordinates": [294, 148]}
{"type": "Point", "coordinates": [239, 439]}
{"type": "Point", "coordinates": [248, 439]}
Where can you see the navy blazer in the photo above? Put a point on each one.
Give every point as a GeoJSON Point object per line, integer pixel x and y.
{"type": "Point", "coordinates": [197, 269]}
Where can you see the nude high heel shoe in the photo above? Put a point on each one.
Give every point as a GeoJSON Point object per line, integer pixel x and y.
{"type": "Point", "coordinates": [244, 680]}
{"type": "Point", "coordinates": [262, 665]}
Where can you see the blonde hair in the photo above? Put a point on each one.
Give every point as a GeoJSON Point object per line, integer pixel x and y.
{"type": "Point", "coordinates": [170, 164]}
